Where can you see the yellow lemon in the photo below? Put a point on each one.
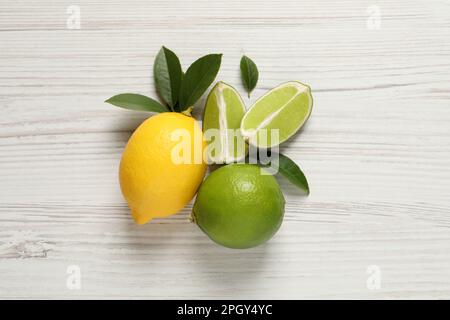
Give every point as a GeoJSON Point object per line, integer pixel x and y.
{"type": "Point", "coordinates": [162, 166]}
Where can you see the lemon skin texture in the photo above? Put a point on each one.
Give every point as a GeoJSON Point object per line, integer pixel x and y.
{"type": "Point", "coordinates": [153, 184]}
{"type": "Point", "coordinates": [238, 207]}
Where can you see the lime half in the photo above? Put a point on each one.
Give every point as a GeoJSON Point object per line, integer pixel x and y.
{"type": "Point", "coordinates": [222, 118]}
{"type": "Point", "coordinates": [284, 108]}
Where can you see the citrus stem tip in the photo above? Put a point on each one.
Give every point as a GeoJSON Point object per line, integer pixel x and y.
{"type": "Point", "coordinates": [188, 111]}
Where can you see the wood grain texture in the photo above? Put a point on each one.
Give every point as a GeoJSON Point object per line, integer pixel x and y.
{"type": "Point", "coordinates": [376, 149]}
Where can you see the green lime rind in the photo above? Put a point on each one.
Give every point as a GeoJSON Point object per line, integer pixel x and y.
{"type": "Point", "coordinates": [224, 110]}
{"type": "Point", "coordinates": [285, 108]}
{"type": "Point", "coordinates": [239, 207]}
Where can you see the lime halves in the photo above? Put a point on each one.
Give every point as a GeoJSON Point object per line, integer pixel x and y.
{"type": "Point", "coordinates": [239, 206]}
{"type": "Point", "coordinates": [283, 110]}
{"type": "Point", "coordinates": [224, 110]}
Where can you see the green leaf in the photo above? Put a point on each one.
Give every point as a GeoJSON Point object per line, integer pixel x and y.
{"type": "Point", "coordinates": [249, 74]}
{"type": "Point", "coordinates": [198, 78]}
{"type": "Point", "coordinates": [167, 72]}
{"type": "Point", "coordinates": [136, 102]}
{"type": "Point", "coordinates": [290, 170]}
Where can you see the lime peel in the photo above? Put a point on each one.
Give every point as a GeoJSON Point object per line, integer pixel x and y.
{"type": "Point", "coordinates": [239, 207]}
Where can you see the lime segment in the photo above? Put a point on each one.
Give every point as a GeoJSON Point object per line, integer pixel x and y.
{"type": "Point", "coordinates": [224, 110]}
{"type": "Point", "coordinates": [284, 108]}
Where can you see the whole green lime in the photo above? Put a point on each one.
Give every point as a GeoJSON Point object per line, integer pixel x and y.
{"type": "Point", "coordinates": [238, 206]}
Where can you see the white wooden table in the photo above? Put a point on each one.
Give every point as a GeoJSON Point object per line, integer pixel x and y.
{"type": "Point", "coordinates": [376, 149]}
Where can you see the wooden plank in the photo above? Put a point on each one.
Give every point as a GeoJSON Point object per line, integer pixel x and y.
{"type": "Point", "coordinates": [376, 149]}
